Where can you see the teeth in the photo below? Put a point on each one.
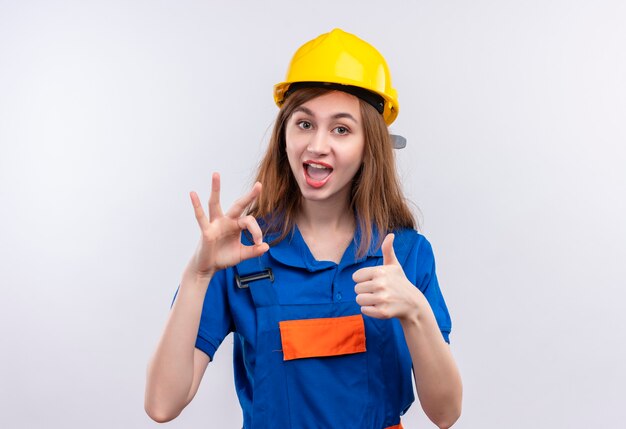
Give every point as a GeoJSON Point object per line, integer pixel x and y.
{"type": "Point", "coordinates": [321, 167]}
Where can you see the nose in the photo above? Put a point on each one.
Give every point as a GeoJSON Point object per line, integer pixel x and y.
{"type": "Point", "coordinates": [318, 144]}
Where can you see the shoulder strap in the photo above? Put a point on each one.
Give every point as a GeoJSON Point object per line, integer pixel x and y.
{"type": "Point", "coordinates": [253, 274]}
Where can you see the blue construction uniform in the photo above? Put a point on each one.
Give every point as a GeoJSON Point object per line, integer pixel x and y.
{"type": "Point", "coordinates": [368, 389]}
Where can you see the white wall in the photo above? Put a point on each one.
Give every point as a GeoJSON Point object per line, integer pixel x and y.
{"type": "Point", "coordinates": [110, 112]}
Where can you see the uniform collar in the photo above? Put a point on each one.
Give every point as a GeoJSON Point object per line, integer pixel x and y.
{"type": "Point", "coordinates": [294, 252]}
{"type": "Point", "coordinates": [374, 250]}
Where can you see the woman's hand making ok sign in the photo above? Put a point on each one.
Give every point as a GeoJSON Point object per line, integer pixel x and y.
{"type": "Point", "coordinates": [220, 241]}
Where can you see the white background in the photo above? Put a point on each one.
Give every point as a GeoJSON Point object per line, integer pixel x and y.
{"type": "Point", "coordinates": [111, 112]}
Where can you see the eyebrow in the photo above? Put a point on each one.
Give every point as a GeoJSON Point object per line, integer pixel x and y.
{"type": "Point", "coordinates": [335, 116]}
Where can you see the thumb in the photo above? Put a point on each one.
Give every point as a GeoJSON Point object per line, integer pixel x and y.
{"type": "Point", "coordinates": [389, 255]}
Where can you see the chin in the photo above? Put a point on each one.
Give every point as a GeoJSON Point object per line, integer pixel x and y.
{"type": "Point", "coordinates": [314, 196]}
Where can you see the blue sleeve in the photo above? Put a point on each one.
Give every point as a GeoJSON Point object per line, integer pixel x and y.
{"type": "Point", "coordinates": [421, 258]}
{"type": "Point", "coordinates": [216, 320]}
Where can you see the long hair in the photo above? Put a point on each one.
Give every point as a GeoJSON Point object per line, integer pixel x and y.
{"type": "Point", "coordinates": [376, 197]}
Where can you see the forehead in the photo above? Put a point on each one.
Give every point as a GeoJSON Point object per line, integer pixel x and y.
{"type": "Point", "coordinates": [333, 103]}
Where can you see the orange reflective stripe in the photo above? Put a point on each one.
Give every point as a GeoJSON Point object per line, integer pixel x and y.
{"type": "Point", "coordinates": [331, 336]}
{"type": "Point", "coordinates": [398, 426]}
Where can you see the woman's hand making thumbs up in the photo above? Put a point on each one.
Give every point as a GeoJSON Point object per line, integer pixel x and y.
{"type": "Point", "coordinates": [384, 291]}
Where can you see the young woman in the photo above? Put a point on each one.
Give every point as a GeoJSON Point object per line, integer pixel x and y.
{"type": "Point", "coordinates": [330, 292]}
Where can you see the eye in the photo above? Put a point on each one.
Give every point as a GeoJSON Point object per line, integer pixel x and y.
{"type": "Point", "coordinates": [305, 125]}
{"type": "Point", "coordinates": [341, 130]}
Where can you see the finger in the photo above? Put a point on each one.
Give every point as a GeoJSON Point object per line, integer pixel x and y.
{"type": "Point", "coordinates": [389, 255]}
{"type": "Point", "coordinates": [248, 252]}
{"type": "Point", "coordinates": [373, 311]}
{"type": "Point", "coordinates": [366, 287]}
{"type": "Point", "coordinates": [215, 209]}
{"type": "Point", "coordinates": [366, 299]}
{"type": "Point", "coordinates": [367, 273]}
{"type": "Point", "coordinates": [240, 205]}
{"type": "Point", "coordinates": [203, 222]}
{"type": "Point", "coordinates": [250, 223]}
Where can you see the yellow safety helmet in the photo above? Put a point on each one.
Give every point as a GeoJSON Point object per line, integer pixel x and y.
{"type": "Point", "coordinates": [342, 61]}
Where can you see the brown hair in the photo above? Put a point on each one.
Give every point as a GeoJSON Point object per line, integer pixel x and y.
{"type": "Point", "coordinates": [376, 197]}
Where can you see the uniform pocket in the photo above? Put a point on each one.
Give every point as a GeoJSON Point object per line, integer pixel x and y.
{"type": "Point", "coordinates": [332, 336]}
{"type": "Point", "coordinates": [329, 392]}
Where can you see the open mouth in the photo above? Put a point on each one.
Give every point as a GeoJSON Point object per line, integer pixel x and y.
{"type": "Point", "coordinates": [316, 173]}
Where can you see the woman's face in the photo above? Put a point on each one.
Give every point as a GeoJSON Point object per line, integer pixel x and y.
{"type": "Point", "coordinates": [325, 142]}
